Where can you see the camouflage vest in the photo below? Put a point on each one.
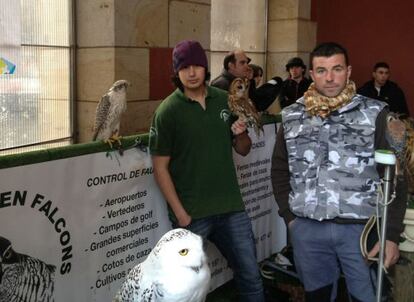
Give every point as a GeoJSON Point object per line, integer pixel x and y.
{"type": "Point", "coordinates": [331, 160]}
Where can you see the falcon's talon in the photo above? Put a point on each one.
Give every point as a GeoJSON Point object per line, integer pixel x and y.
{"type": "Point", "coordinates": [113, 139]}
{"type": "Point", "coordinates": [109, 142]}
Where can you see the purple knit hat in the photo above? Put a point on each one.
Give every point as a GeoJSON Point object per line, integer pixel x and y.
{"type": "Point", "coordinates": [188, 52]}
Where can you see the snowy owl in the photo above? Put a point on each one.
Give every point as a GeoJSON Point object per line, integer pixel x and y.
{"type": "Point", "coordinates": [109, 111]}
{"type": "Point", "coordinates": [175, 270]}
{"type": "Point", "coordinates": [241, 105]}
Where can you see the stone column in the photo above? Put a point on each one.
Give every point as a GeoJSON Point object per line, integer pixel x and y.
{"type": "Point", "coordinates": [237, 24]}
{"type": "Point", "coordinates": [291, 33]}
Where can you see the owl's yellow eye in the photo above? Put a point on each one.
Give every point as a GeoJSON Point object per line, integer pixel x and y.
{"type": "Point", "coordinates": [183, 252]}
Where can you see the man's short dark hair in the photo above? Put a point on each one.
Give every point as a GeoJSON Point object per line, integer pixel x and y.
{"type": "Point", "coordinates": [328, 49]}
{"type": "Point", "coordinates": [381, 65]}
{"type": "Point", "coordinates": [230, 57]}
{"type": "Point", "coordinates": [295, 62]}
{"type": "Point", "coordinates": [175, 79]}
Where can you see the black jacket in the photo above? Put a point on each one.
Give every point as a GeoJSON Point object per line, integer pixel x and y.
{"type": "Point", "coordinates": [390, 93]}
{"type": "Point", "coordinates": [293, 90]}
{"type": "Point", "coordinates": [262, 97]}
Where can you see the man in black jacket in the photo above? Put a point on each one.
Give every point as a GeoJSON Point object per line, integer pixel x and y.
{"type": "Point", "coordinates": [295, 86]}
{"type": "Point", "coordinates": [236, 65]}
{"type": "Point", "coordinates": [381, 88]}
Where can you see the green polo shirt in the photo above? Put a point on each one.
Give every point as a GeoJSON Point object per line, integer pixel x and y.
{"type": "Point", "coordinates": [199, 144]}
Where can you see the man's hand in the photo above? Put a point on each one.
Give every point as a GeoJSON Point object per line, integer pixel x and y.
{"type": "Point", "coordinates": [290, 223]}
{"type": "Point", "coordinates": [241, 140]}
{"type": "Point", "coordinates": [184, 220]}
{"type": "Point", "coordinates": [392, 253]}
{"type": "Point", "coordinates": [238, 127]}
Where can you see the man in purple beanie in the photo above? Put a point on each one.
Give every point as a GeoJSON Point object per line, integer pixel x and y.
{"type": "Point", "coordinates": [191, 141]}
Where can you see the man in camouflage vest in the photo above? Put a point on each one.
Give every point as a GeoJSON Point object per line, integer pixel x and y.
{"type": "Point", "coordinates": [325, 179]}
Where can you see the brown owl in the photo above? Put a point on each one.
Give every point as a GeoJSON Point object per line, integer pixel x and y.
{"type": "Point", "coordinates": [400, 135]}
{"type": "Point", "coordinates": [409, 153]}
{"type": "Point", "coordinates": [241, 105]}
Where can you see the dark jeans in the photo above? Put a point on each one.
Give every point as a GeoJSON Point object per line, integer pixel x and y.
{"type": "Point", "coordinates": [322, 249]}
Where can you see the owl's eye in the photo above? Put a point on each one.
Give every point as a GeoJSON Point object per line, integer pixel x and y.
{"type": "Point", "coordinates": [7, 254]}
{"type": "Point", "coordinates": [183, 252]}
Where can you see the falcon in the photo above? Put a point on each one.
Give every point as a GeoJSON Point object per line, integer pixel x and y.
{"type": "Point", "coordinates": [241, 105]}
{"type": "Point", "coordinates": [175, 270]}
{"type": "Point", "coordinates": [24, 278]}
{"type": "Point", "coordinates": [109, 112]}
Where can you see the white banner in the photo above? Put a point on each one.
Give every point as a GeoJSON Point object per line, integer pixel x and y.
{"type": "Point", "coordinates": [92, 217]}
{"type": "Point", "coordinates": [253, 173]}
{"type": "Point", "coordinates": [83, 222]}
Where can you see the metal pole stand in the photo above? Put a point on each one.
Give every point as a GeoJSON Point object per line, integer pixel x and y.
{"type": "Point", "coordinates": [388, 159]}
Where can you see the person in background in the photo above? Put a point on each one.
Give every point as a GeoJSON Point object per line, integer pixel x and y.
{"type": "Point", "coordinates": [381, 88]}
{"type": "Point", "coordinates": [257, 74]}
{"type": "Point", "coordinates": [191, 141]}
{"type": "Point", "coordinates": [325, 179]}
{"type": "Point", "coordinates": [296, 84]}
{"type": "Point", "coordinates": [236, 65]}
